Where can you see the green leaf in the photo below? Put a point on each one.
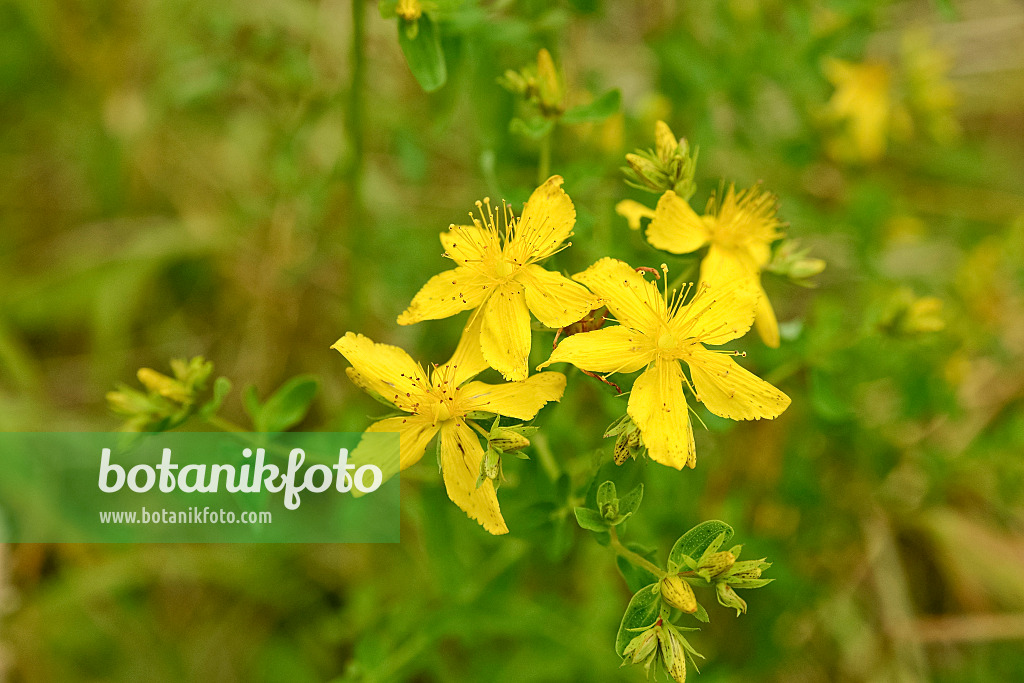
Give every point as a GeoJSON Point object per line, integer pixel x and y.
{"type": "Point", "coordinates": [288, 405]}
{"type": "Point", "coordinates": [598, 110]}
{"type": "Point", "coordinates": [629, 503]}
{"type": "Point", "coordinates": [252, 405]}
{"type": "Point", "coordinates": [695, 541]}
{"type": "Point", "coordinates": [702, 614]}
{"type": "Point", "coordinates": [641, 612]}
{"type": "Point", "coordinates": [221, 387]}
{"type": "Point", "coordinates": [605, 494]}
{"type": "Point", "coordinates": [421, 44]}
{"type": "Point", "coordinates": [591, 520]}
{"type": "Point", "coordinates": [534, 128]}
{"type": "Point", "coordinates": [635, 576]}
{"type": "Point", "coordinates": [388, 8]}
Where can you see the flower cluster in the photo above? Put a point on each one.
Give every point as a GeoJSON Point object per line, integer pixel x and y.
{"type": "Point", "coordinates": [499, 277]}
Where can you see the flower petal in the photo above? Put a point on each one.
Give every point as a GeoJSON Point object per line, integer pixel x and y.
{"type": "Point", "coordinates": [634, 212]}
{"type": "Point", "coordinates": [461, 455]}
{"type": "Point", "coordinates": [658, 407]}
{"type": "Point", "coordinates": [730, 391]}
{"type": "Point", "coordinates": [446, 294]}
{"type": "Point", "coordinates": [470, 244]}
{"type": "Point", "coordinates": [415, 434]}
{"type": "Point", "coordinates": [547, 221]}
{"type": "Point", "coordinates": [676, 227]}
{"type": "Point", "coordinates": [607, 350]}
{"type": "Point", "coordinates": [386, 370]}
{"type": "Point", "coordinates": [557, 301]}
{"type": "Point", "coordinates": [765, 321]}
{"type": "Point", "coordinates": [467, 360]}
{"type": "Point", "coordinates": [632, 300]}
{"type": "Point", "coordinates": [505, 335]}
{"type": "Point", "coordinates": [521, 400]}
{"type": "Point", "coordinates": [723, 308]}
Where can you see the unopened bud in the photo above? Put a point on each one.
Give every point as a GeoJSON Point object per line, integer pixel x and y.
{"type": "Point", "coordinates": [164, 385]}
{"type": "Point", "coordinates": [645, 169]}
{"type": "Point", "coordinates": [642, 647]}
{"type": "Point", "coordinates": [805, 268]}
{"type": "Point", "coordinates": [665, 143]}
{"type": "Point", "coordinates": [506, 440]}
{"type": "Point", "coordinates": [549, 86]}
{"type": "Point", "coordinates": [716, 563]}
{"type": "Point", "coordinates": [674, 655]}
{"type": "Point", "coordinates": [727, 597]}
{"type": "Point", "coordinates": [679, 594]}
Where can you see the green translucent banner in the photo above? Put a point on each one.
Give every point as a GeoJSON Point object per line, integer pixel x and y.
{"type": "Point", "coordinates": [188, 487]}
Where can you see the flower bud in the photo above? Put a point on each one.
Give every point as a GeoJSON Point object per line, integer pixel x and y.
{"type": "Point", "coordinates": [642, 647]}
{"type": "Point", "coordinates": [727, 597]}
{"type": "Point", "coordinates": [164, 385]}
{"type": "Point", "coordinates": [549, 86]}
{"type": "Point", "coordinates": [677, 593]}
{"type": "Point", "coordinates": [716, 563]}
{"type": "Point", "coordinates": [674, 655]}
{"type": "Point", "coordinates": [806, 267]}
{"type": "Point", "coordinates": [646, 171]}
{"type": "Point", "coordinates": [506, 440]}
{"type": "Point", "coordinates": [665, 143]}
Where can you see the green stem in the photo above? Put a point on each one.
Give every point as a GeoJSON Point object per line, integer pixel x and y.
{"type": "Point", "coordinates": [544, 166]}
{"type": "Point", "coordinates": [355, 102]}
{"type": "Point", "coordinates": [224, 425]}
{"type": "Point", "coordinates": [633, 557]}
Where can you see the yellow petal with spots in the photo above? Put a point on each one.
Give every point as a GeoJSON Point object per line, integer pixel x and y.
{"type": "Point", "coordinates": [730, 391]}
{"type": "Point", "coordinates": [415, 433]}
{"type": "Point", "coordinates": [505, 335]}
{"type": "Point", "coordinates": [547, 221]}
{"type": "Point", "coordinates": [446, 294]}
{"type": "Point", "coordinates": [461, 455]}
{"type": "Point", "coordinates": [658, 407]}
{"type": "Point", "coordinates": [521, 400]}
{"type": "Point", "coordinates": [676, 227]}
{"type": "Point", "coordinates": [557, 301]}
{"type": "Point", "coordinates": [387, 370]}
{"type": "Point", "coordinates": [607, 350]}
{"type": "Point", "coordinates": [630, 298]}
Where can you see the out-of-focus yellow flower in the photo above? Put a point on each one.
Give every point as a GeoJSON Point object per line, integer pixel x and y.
{"type": "Point", "coordinates": [497, 272]}
{"type": "Point", "coordinates": [930, 95]}
{"type": "Point", "coordinates": [739, 227]}
{"type": "Point", "coordinates": [438, 405]}
{"type": "Point", "coordinates": [656, 332]}
{"type": "Point", "coordinates": [410, 10]}
{"type": "Point", "coordinates": [861, 108]}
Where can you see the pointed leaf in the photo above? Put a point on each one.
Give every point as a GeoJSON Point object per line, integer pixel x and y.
{"type": "Point", "coordinates": [695, 541]}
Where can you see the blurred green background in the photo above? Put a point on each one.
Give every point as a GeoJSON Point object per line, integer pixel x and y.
{"type": "Point", "coordinates": [249, 180]}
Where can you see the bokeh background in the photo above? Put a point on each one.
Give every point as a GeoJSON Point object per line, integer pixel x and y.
{"type": "Point", "coordinates": [248, 180]}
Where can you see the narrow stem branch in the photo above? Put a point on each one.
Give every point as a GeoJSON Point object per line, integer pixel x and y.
{"type": "Point", "coordinates": [544, 165]}
{"type": "Point", "coordinates": [224, 425]}
{"type": "Point", "coordinates": [634, 558]}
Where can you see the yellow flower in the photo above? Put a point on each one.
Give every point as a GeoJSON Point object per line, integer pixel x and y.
{"type": "Point", "coordinates": [439, 404]}
{"type": "Point", "coordinates": [496, 271]}
{"type": "Point", "coordinates": [740, 229]}
{"type": "Point", "coordinates": [862, 105]}
{"type": "Point", "coordinates": [656, 332]}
